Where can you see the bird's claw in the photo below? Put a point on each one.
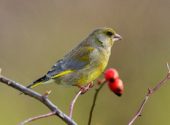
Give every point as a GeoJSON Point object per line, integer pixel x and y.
{"type": "Point", "coordinates": [84, 89]}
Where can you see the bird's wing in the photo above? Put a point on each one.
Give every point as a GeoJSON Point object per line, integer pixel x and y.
{"type": "Point", "coordinates": [75, 60]}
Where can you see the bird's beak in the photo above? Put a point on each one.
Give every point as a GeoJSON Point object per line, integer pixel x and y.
{"type": "Point", "coordinates": [117, 37]}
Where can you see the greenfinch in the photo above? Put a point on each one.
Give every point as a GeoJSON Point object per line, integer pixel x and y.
{"type": "Point", "coordinates": [84, 63]}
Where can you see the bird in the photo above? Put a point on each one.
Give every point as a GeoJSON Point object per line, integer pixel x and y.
{"type": "Point", "coordinates": [84, 63]}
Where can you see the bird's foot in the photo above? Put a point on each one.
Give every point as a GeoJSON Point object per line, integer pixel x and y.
{"type": "Point", "coordinates": [85, 88]}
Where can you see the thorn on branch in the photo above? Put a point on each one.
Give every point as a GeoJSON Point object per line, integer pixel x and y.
{"type": "Point", "coordinates": [99, 82]}
{"type": "Point", "coordinates": [9, 82]}
{"type": "Point", "coordinates": [48, 92]}
{"type": "Point", "coordinates": [149, 91]}
{"type": "Point", "coordinates": [0, 71]}
{"type": "Point", "coordinates": [168, 67]}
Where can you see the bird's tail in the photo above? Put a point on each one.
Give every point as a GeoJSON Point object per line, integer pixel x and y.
{"type": "Point", "coordinates": [38, 81]}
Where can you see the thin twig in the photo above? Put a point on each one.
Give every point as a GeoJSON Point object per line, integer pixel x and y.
{"type": "Point", "coordinates": [149, 93]}
{"type": "Point", "coordinates": [37, 117]}
{"type": "Point", "coordinates": [81, 91]}
{"type": "Point", "coordinates": [46, 94]}
{"type": "Point", "coordinates": [72, 103]}
{"type": "Point", "coordinates": [39, 97]}
{"type": "Point", "coordinates": [94, 101]}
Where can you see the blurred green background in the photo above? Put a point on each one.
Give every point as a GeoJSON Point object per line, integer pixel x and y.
{"type": "Point", "coordinates": [35, 33]}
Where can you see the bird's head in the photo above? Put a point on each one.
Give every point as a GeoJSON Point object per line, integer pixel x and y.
{"type": "Point", "coordinates": [105, 37]}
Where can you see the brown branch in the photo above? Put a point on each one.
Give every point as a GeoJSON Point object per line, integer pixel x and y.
{"type": "Point", "coordinates": [94, 100]}
{"type": "Point", "coordinates": [149, 93]}
{"type": "Point", "coordinates": [43, 99]}
{"type": "Point", "coordinates": [81, 91]}
{"type": "Point", "coordinates": [73, 102]}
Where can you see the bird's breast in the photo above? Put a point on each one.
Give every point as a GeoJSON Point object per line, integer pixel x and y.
{"type": "Point", "coordinates": [100, 57]}
{"type": "Point", "coordinates": [99, 62]}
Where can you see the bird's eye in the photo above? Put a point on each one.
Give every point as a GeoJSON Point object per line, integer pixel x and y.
{"type": "Point", "coordinates": [109, 33]}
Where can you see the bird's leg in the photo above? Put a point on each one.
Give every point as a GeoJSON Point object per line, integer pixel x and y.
{"type": "Point", "coordinates": [85, 88]}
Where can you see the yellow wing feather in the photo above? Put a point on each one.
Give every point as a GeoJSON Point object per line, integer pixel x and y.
{"type": "Point", "coordinates": [62, 73]}
{"type": "Point", "coordinates": [36, 84]}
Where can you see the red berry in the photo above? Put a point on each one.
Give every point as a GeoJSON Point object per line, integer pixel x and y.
{"type": "Point", "coordinates": [111, 74]}
{"type": "Point", "coordinates": [116, 86]}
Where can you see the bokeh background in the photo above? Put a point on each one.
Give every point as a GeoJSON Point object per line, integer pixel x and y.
{"type": "Point", "coordinates": [35, 33]}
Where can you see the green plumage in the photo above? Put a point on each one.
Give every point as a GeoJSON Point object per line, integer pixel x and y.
{"type": "Point", "coordinates": [85, 62]}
